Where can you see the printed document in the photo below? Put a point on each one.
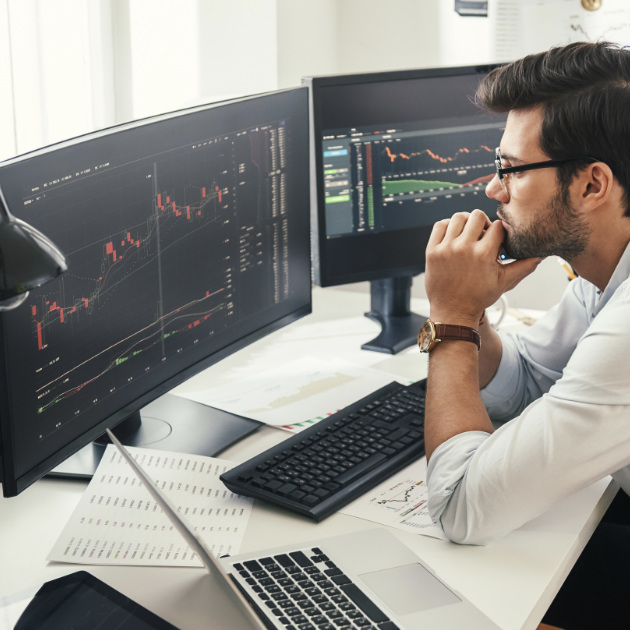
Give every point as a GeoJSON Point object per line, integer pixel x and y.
{"type": "Point", "coordinates": [118, 522]}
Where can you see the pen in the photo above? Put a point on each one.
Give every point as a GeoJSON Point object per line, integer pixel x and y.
{"type": "Point", "coordinates": [568, 269]}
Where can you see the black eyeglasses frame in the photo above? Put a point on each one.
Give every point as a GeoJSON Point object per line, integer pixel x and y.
{"type": "Point", "coordinates": [501, 171]}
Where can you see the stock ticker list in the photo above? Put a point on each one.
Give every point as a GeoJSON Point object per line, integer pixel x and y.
{"type": "Point", "coordinates": [164, 253]}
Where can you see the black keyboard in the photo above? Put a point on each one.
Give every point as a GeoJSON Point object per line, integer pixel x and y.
{"type": "Point", "coordinates": [333, 462]}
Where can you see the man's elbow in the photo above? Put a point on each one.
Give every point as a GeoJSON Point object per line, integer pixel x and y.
{"type": "Point", "coordinates": [465, 534]}
{"type": "Point", "coordinates": [464, 525]}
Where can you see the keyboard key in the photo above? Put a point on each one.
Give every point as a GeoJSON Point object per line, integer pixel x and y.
{"type": "Point", "coordinates": [301, 559]}
{"type": "Point", "coordinates": [286, 489]}
{"type": "Point", "coordinates": [284, 560]}
{"type": "Point", "coordinates": [360, 469]}
{"type": "Point", "coordinates": [340, 579]}
{"type": "Point", "coordinates": [364, 603]}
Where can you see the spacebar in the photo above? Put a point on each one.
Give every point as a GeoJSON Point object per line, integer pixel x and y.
{"type": "Point", "coordinates": [364, 603]}
{"type": "Point", "coordinates": [360, 469]}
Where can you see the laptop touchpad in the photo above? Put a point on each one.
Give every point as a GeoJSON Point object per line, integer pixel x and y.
{"type": "Point", "coordinates": [409, 588]}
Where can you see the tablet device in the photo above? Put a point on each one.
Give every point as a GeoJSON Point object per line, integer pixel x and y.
{"type": "Point", "coordinates": [83, 602]}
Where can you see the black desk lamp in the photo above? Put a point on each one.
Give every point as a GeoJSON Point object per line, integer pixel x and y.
{"type": "Point", "coordinates": [27, 259]}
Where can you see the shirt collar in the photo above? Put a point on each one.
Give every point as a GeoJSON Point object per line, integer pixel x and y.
{"type": "Point", "coordinates": [620, 274]}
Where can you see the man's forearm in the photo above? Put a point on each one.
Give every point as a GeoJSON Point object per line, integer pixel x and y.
{"type": "Point", "coordinates": [489, 354]}
{"type": "Point", "coordinates": [463, 276]}
{"type": "Point", "coordinates": [453, 403]}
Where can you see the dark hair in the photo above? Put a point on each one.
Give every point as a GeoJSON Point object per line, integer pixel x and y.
{"type": "Point", "coordinates": [584, 89]}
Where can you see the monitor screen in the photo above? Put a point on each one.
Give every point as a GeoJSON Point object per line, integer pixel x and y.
{"type": "Point", "coordinates": [392, 153]}
{"type": "Point", "coordinates": [186, 237]}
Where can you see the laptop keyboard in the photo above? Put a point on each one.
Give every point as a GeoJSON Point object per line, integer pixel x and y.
{"type": "Point", "coordinates": [305, 590]}
{"type": "Point", "coordinates": [331, 463]}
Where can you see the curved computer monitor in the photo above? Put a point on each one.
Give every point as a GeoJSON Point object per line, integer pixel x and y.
{"type": "Point", "coordinates": [186, 237]}
{"type": "Point", "coordinates": [391, 154]}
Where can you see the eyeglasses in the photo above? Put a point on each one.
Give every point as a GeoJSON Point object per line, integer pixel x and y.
{"type": "Point", "coordinates": [503, 171]}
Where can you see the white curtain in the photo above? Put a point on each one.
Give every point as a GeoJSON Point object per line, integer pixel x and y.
{"type": "Point", "coordinates": [56, 74]}
{"type": "Point", "coordinates": [68, 67]}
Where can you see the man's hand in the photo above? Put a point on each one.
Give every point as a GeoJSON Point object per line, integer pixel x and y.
{"type": "Point", "coordinates": [463, 272]}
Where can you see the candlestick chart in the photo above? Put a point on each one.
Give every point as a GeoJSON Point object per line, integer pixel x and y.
{"type": "Point", "coordinates": [165, 253]}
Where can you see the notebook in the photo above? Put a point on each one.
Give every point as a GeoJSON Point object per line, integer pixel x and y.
{"type": "Point", "coordinates": [367, 579]}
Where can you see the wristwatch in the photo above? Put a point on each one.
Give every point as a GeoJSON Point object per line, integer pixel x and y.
{"type": "Point", "coordinates": [432, 333]}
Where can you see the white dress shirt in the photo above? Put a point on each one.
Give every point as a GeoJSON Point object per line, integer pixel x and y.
{"type": "Point", "coordinates": [563, 388]}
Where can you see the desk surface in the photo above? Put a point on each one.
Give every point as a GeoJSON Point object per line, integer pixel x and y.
{"type": "Point", "coordinates": [512, 580]}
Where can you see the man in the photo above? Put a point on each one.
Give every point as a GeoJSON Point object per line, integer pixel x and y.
{"type": "Point", "coordinates": [562, 182]}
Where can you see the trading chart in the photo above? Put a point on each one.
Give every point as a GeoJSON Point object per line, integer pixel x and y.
{"type": "Point", "coordinates": [394, 179]}
{"type": "Point", "coordinates": [165, 251]}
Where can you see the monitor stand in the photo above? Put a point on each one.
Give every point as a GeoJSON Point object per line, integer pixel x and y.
{"type": "Point", "coordinates": [391, 308]}
{"type": "Point", "coordinates": [169, 423]}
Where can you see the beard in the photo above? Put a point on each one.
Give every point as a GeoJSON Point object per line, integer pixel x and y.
{"type": "Point", "coordinates": [558, 231]}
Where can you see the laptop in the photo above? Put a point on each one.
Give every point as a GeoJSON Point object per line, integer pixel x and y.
{"type": "Point", "coordinates": [367, 579]}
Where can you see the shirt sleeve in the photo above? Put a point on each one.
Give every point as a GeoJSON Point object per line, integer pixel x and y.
{"type": "Point", "coordinates": [483, 486]}
{"type": "Point", "coordinates": [531, 362]}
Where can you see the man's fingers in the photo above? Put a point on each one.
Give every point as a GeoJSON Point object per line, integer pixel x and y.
{"type": "Point", "coordinates": [437, 233]}
{"type": "Point", "coordinates": [495, 235]}
{"type": "Point", "coordinates": [456, 225]}
{"type": "Point", "coordinates": [468, 224]}
{"type": "Point", "coordinates": [471, 225]}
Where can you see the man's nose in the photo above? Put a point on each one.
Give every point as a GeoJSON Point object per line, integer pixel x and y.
{"type": "Point", "coordinates": [495, 191]}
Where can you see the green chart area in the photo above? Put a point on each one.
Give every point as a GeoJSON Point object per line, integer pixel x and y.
{"type": "Point", "coordinates": [414, 185]}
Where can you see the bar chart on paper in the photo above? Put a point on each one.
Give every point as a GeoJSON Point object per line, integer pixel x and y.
{"type": "Point", "coordinates": [298, 394]}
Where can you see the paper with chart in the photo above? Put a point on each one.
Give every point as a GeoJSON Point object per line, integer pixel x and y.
{"type": "Point", "coordinates": [118, 522]}
{"type": "Point", "coordinates": [400, 502]}
{"type": "Point", "coordinates": [296, 395]}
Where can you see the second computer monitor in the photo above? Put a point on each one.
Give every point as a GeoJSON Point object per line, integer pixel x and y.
{"type": "Point", "coordinates": [392, 153]}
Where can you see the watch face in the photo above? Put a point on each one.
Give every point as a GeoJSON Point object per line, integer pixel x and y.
{"type": "Point", "coordinates": [426, 336]}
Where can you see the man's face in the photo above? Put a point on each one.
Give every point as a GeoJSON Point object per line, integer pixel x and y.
{"type": "Point", "coordinates": [537, 215]}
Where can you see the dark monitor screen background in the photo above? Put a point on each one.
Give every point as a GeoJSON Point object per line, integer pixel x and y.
{"type": "Point", "coordinates": [185, 238]}
{"type": "Point", "coordinates": [394, 153]}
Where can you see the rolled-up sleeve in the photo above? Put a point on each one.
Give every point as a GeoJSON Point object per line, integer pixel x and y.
{"type": "Point", "coordinates": [482, 486]}
{"type": "Point", "coordinates": [447, 469]}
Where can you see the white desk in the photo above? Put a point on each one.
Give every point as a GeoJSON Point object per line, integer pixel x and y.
{"type": "Point", "coordinates": [512, 580]}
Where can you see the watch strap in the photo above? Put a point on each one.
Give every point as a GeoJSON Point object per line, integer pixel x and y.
{"type": "Point", "coordinates": [444, 332]}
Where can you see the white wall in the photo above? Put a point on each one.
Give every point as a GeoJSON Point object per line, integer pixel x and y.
{"type": "Point", "coordinates": [307, 40]}
{"type": "Point", "coordinates": [375, 35]}
{"type": "Point", "coordinates": [343, 36]}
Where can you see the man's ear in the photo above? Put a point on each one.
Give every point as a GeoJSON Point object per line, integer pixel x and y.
{"type": "Point", "coordinates": [596, 183]}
